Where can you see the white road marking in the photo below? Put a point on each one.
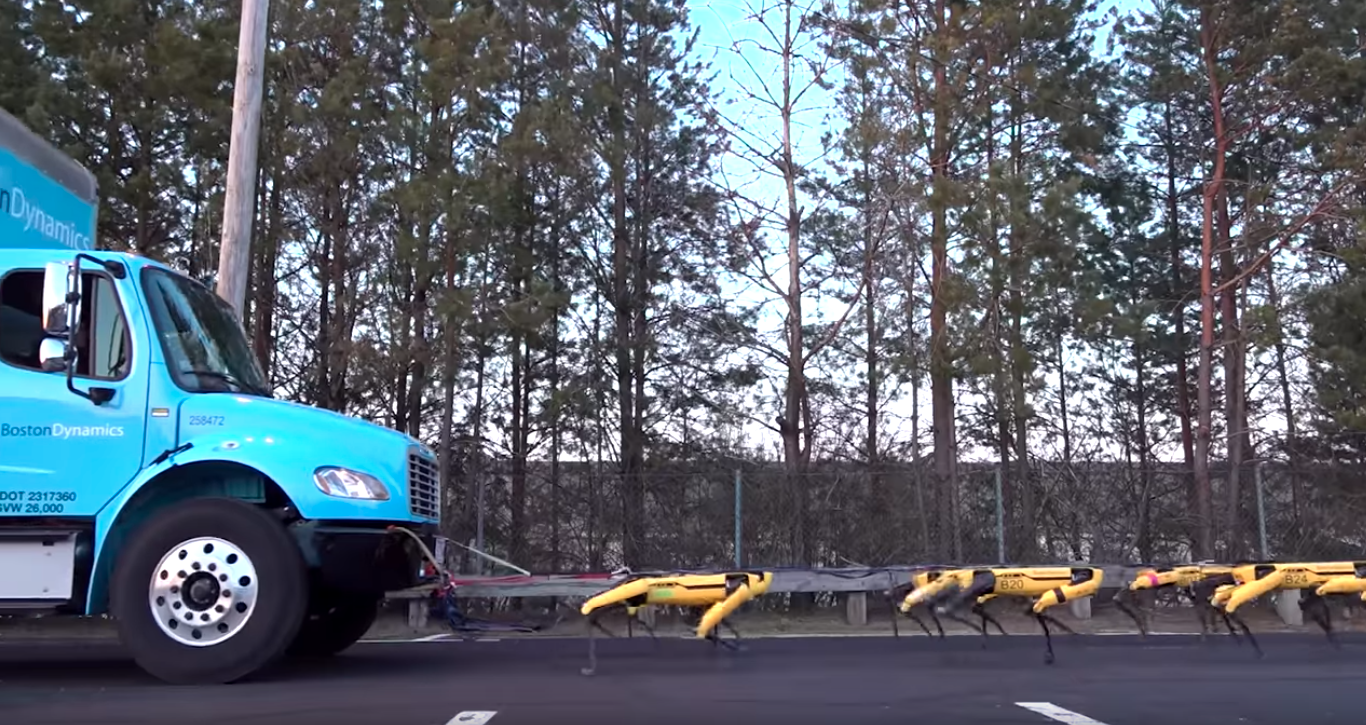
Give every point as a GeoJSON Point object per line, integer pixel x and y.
{"type": "Point", "coordinates": [1051, 711]}
{"type": "Point", "coordinates": [904, 633]}
{"type": "Point", "coordinates": [1135, 634]}
{"type": "Point", "coordinates": [472, 717]}
{"type": "Point", "coordinates": [428, 638]}
{"type": "Point", "coordinates": [444, 637]}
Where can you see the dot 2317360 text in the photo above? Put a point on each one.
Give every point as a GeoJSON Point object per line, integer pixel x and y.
{"type": "Point", "coordinates": [35, 503]}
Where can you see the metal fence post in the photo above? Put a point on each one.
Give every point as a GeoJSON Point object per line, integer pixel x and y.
{"type": "Point", "coordinates": [1261, 507]}
{"type": "Point", "coordinates": [1000, 519]}
{"type": "Point", "coordinates": [738, 520]}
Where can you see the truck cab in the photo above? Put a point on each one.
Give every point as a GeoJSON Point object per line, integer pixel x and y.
{"type": "Point", "coordinates": [147, 471]}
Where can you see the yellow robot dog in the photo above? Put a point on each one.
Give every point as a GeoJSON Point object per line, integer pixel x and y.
{"type": "Point", "coordinates": [1196, 582]}
{"type": "Point", "coordinates": [923, 592]}
{"type": "Point", "coordinates": [1315, 581]}
{"type": "Point", "coordinates": [720, 594]}
{"type": "Point", "coordinates": [931, 589]}
{"type": "Point", "coordinates": [1047, 586]}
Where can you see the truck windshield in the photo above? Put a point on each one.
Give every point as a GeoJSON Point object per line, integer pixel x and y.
{"type": "Point", "coordinates": [205, 348]}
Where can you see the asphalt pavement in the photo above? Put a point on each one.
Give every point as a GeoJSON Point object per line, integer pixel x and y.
{"type": "Point", "coordinates": [1096, 680]}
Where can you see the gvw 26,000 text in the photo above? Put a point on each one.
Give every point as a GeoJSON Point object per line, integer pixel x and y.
{"type": "Point", "coordinates": [35, 503]}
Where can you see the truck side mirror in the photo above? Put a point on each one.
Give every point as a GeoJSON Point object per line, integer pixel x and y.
{"type": "Point", "coordinates": [61, 308]}
{"type": "Point", "coordinates": [61, 315]}
{"type": "Point", "coordinates": [52, 354]}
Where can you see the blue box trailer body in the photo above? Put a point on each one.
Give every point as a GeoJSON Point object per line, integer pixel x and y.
{"type": "Point", "coordinates": [147, 472]}
{"type": "Point", "coordinates": [47, 200]}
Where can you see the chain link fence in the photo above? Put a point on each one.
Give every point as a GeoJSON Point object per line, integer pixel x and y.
{"type": "Point", "coordinates": [572, 516]}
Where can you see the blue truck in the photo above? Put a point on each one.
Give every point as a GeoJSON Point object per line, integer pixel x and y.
{"type": "Point", "coordinates": [148, 473]}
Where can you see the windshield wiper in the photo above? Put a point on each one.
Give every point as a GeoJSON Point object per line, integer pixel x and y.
{"type": "Point", "coordinates": [227, 378]}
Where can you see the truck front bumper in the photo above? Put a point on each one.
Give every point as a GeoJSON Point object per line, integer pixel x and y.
{"type": "Point", "coordinates": [368, 559]}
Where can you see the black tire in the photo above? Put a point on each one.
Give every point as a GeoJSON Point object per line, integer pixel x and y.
{"type": "Point", "coordinates": [281, 597]}
{"type": "Point", "coordinates": [336, 620]}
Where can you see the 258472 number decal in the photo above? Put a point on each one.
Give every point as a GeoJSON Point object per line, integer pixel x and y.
{"type": "Point", "coordinates": [206, 420]}
{"type": "Point", "coordinates": [30, 503]}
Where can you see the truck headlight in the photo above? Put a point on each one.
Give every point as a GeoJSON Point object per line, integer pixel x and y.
{"type": "Point", "coordinates": [346, 483]}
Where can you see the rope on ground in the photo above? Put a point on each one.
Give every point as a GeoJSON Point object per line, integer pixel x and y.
{"type": "Point", "coordinates": [445, 605]}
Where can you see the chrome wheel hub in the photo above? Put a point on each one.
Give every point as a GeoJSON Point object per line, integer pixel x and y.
{"type": "Point", "coordinates": [203, 591]}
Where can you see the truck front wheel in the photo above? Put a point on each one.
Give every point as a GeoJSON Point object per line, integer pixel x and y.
{"type": "Point", "coordinates": [208, 591]}
{"type": "Point", "coordinates": [336, 620]}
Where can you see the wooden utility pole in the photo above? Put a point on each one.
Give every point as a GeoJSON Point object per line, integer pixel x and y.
{"type": "Point", "coordinates": [234, 257]}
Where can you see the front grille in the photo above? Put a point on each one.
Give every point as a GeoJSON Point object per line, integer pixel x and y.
{"type": "Point", "coordinates": [424, 486]}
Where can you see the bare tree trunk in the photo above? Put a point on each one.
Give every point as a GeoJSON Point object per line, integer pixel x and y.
{"type": "Point", "coordinates": [521, 389]}
{"type": "Point", "coordinates": [793, 426]}
{"type": "Point", "coordinates": [643, 215]}
{"type": "Point", "coordinates": [1287, 400]}
{"type": "Point", "coordinates": [263, 329]}
{"type": "Point", "coordinates": [624, 298]}
{"type": "Point", "coordinates": [478, 484]}
{"type": "Point", "coordinates": [449, 362]}
{"type": "Point", "coordinates": [1024, 483]}
{"type": "Point", "coordinates": [1000, 341]}
{"type": "Point", "coordinates": [595, 553]}
{"type": "Point", "coordinates": [883, 506]}
{"type": "Point", "coordinates": [1182, 382]}
{"type": "Point", "coordinates": [910, 240]}
{"type": "Point", "coordinates": [1144, 535]}
{"type": "Point", "coordinates": [1235, 385]}
{"type": "Point", "coordinates": [554, 382]}
{"type": "Point", "coordinates": [1213, 188]}
{"type": "Point", "coordinates": [420, 349]}
{"type": "Point", "coordinates": [941, 374]}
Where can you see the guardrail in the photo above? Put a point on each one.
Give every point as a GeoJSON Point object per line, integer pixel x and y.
{"type": "Point", "coordinates": [853, 582]}
{"type": "Point", "coordinates": [785, 581]}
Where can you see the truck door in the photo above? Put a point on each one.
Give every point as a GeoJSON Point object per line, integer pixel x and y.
{"type": "Point", "coordinates": [60, 454]}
